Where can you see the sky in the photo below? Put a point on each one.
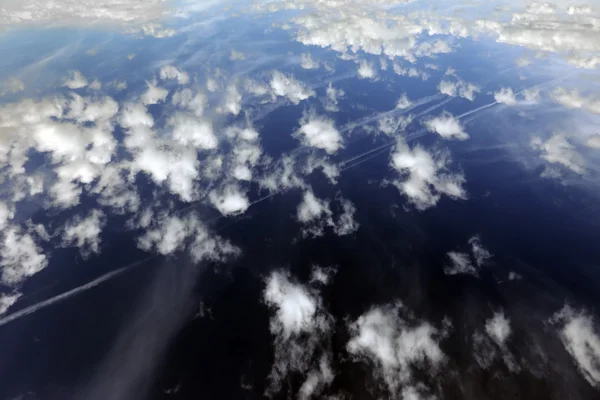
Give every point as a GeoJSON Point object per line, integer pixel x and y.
{"type": "Point", "coordinates": [200, 138]}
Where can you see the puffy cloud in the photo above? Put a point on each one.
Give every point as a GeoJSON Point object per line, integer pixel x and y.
{"type": "Point", "coordinates": [395, 345]}
{"type": "Point", "coordinates": [558, 150]}
{"type": "Point", "coordinates": [574, 100]}
{"type": "Point", "coordinates": [498, 328]}
{"type": "Point", "coordinates": [283, 85]}
{"type": "Point", "coordinates": [424, 177]}
{"type": "Point", "coordinates": [236, 55]}
{"type": "Point", "coordinates": [76, 80]}
{"type": "Point", "coordinates": [321, 275]}
{"type": "Point", "coordinates": [229, 200]}
{"type": "Point", "coordinates": [506, 96]}
{"type": "Point", "coordinates": [333, 95]}
{"type": "Point", "coordinates": [331, 171]}
{"type": "Point", "coordinates": [582, 342]}
{"type": "Point", "coordinates": [172, 72]}
{"type": "Point", "coordinates": [314, 213]}
{"type": "Point", "coordinates": [320, 133]}
{"type": "Point", "coordinates": [189, 130]}
{"type": "Point", "coordinates": [480, 253]}
{"type": "Point", "coordinates": [11, 86]}
{"type": "Point", "coordinates": [346, 224]}
{"type": "Point", "coordinates": [171, 233]}
{"type": "Point", "coordinates": [7, 301]}
{"type": "Point", "coordinates": [84, 233]}
{"type": "Point", "coordinates": [460, 263]}
{"type": "Point", "coordinates": [195, 102]}
{"type": "Point", "coordinates": [307, 62]}
{"type": "Point", "coordinates": [154, 94]}
{"type": "Point", "coordinates": [20, 256]}
{"type": "Point", "coordinates": [301, 329]}
{"type": "Point", "coordinates": [447, 126]}
{"type": "Point", "coordinates": [593, 141]}
{"type": "Point", "coordinates": [403, 102]}
{"type": "Point", "coordinates": [459, 88]}
{"type": "Point", "coordinates": [366, 70]}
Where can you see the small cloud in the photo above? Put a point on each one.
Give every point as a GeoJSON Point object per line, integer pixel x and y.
{"type": "Point", "coordinates": [321, 275]}
{"type": "Point", "coordinates": [76, 80]}
{"type": "Point", "coordinates": [84, 233]}
{"type": "Point", "coordinates": [154, 94]}
{"type": "Point", "coordinates": [20, 256]}
{"type": "Point", "coordinates": [558, 150]}
{"type": "Point", "coordinates": [403, 102]}
{"type": "Point", "coordinates": [7, 301]}
{"type": "Point", "coordinates": [346, 224]}
{"type": "Point", "coordinates": [447, 126]}
{"type": "Point", "coordinates": [171, 72]}
{"type": "Point", "coordinates": [580, 337]}
{"type": "Point", "coordinates": [506, 96]}
{"type": "Point", "coordinates": [131, 56]}
{"type": "Point", "coordinates": [320, 133]}
{"type": "Point", "coordinates": [460, 264]}
{"type": "Point", "coordinates": [229, 200]}
{"type": "Point", "coordinates": [498, 328]}
{"type": "Point", "coordinates": [593, 141]}
{"type": "Point", "coordinates": [366, 70]}
{"type": "Point", "coordinates": [283, 85]}
{"type": "Point", "coordinates": [236, 55]}
{"type": "Point", "coordinates": [333, 95]}
{"type": "Point", "coordinates": [574, 100]}
{"type": "Point", "coordinates": [307, 62]}
{"type": "Point", "coordinates": [423, 176]}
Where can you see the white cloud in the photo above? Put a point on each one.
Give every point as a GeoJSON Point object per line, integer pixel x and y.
{"type": "Point", "coordinates": [459, 88]}
{"type": "Point", "coordinates": [171, 233]}
{"type": "Point", "coordinates": [7, 301]}
{"type": "Point", "coordinates": [593, 141]}
{"type": "Point", "coordinates": [573, 99]}
{"type": "Point", "coordinates": [314, 213]}
{"type": "Point", "coordinates": [424, 177]}
{"type": "Point", "coordinates": [229, 200]}
{"type": "Point", "coordinates": [498, 328]}
{"type": "Point", "coordinates": [321, 275]}
{"type": "Point", "coordinates": [558, 150]}
{"type": "Point", "coordinates": [195, 102]}
{"type": "Point", "coordinates": [236, 55]}
{"type": "Point", "coordinates": [287, 86]}
{"type": "Point", "coordinates": [301, 327]}
{"type": "Point", "coordinates": [403, 102]}
{"type": "Point", "coordinates": [84, 233]}
{"type": "Point", "coordinates": [320, 133]}
{"type": "Point", "coordinates": [447, 126]}
{"type": "Point", "coordinates": [582, 342]}
{"type": "Point", "coordinates": [506, 96]}
{"type": "Point", "coordinates": [460, 264]}
{"type": "Point", "coordinates": [395, 346]}
{"type": "Point", "coordinates": [330, 170]}
{"type": "Point", "coordinates": [20, 256]}
{"type": "Point", "coordinates": [172, 72]}
{"type": "Point", "coordinates": [130, 14]}
{"type": "Point", "coordinates": [76, 80]}
{"type": "Point", "coordinates": [531, 94]}
{"type": "Point", "coordinates": [154, 94]}
{"type": "Point", "coordinates": [480, 253]}
{"type": "Point", "coordinates": [307, 62]}
{"type": "Point", "coordinates": [366, 70]}
{"type": "Point", "coordinates": [333, 95]}
{"type": "Point", "coordinates": [189, 130]}
{"type": "Point", "coordinates": [346, 224]}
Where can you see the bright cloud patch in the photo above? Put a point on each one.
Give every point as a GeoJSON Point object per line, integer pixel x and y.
{"type": "Point", "coordinates": [301, 329]}
{"type": "Point", "coordinates": [581, 339]}
{"type": "Point", "coordinates": [447, 126]}
{"type": "Point", "coordinates": [366, 70]}
{"type": "Point", "coordinates": [424, 177]}
{"type": "Point", "coordinates": [84, 233]}
{"type": "Point", "coordinates": [506, 96]}
{"type": "Point", "coordinates": [558, 150]}
{"type": "Point", "coordinates": [395, 346]}
{"type": "Point", "coordinates": [287, 86]}
{"type": "Point", "coordinates": [320, 133]}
